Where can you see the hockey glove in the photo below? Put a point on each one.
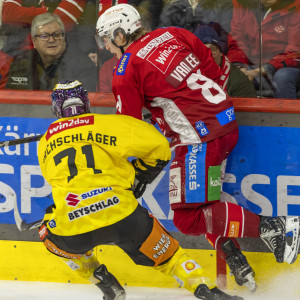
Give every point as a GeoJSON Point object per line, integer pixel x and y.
{"type": "Point", "coordinates": [31, 3]}
{"type": "Point", "coordinates": [51, 4]}
{"type": "Point", "coordinates": [139, 188]}
{"type": "Point", "coordinates": [145, 174]}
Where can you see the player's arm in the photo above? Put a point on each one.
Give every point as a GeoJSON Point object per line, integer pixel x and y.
{"type": "Point", "coordinates": [129, 96]}
{"type": "Point", "coordinates": [152, 151]}
{"type": "Point", "coordinates": [70, 12]}
{"type": "Point", "coordinates": [14, 12]}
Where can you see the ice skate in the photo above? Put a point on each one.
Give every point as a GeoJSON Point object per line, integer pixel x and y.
{"type": "Point", "coordinates": [273, 233]}
{"type": "Point", "coordinates": [109, 285]}
{"type": "Point", "coordinates": [239, 266]}
{"type": "Point", "coordinates": [204, 293]}
{"type": "Point", "coordinates": [291, 251]}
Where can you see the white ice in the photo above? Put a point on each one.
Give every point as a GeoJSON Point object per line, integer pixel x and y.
{"type": "Point", "coordinates": [281, 288]}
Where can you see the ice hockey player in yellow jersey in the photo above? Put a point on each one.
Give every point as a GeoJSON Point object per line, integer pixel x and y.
{"type": "Point", "coordinates": [85, 157]}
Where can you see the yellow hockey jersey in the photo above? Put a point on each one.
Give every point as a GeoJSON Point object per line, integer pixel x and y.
{"type": "Point", "coordinates": [85, 160]}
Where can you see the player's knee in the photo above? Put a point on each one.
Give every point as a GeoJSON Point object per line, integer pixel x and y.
{"type": "Point", "coordinates": [159, 245]}
{"type": "Point", "coordinates": [183, 227]}
{"type": "Point", "coordinates": [189, 221]}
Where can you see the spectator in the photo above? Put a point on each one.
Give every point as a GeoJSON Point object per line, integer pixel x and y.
{"type": "Point", "coordinates": [280, 50]}
{"type": "Point", "coordinates": [238, 84]}
{"type": "Point", "coordinates": [189, 13]}
{"type": "Point", "coordinates": [107, 69]}
{"type": "Point", "coordinates": [5, 62]}
{"type": "Point", "coordinates": [84, 35]}
{"type": "Point", "coordinates": [51, 60]}
{"type": "Point", "coordinates": [17, 16]}
{"type": "Point", "coordinates": [170, 72]}
{"type": "Point", "coordinates": [106, 75]}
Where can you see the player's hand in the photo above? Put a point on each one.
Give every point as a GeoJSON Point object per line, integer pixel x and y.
{"type": "Point", "coordinates": [139, 188]}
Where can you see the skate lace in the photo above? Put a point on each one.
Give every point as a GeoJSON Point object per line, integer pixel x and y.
{"type": "Point", "coordinates": [274, 238]}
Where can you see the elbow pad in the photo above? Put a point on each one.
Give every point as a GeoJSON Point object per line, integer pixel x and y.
{"type": "Point", "coordinates": [145, 174]}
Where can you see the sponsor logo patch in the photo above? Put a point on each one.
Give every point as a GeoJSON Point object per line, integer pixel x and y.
{"type": "Point", "coordinates": [201, 128]}
{"type": "Point", "coordinates": [74, 199]}
{"type": "Point", "coordinates": [72, 265]}
{"type": "Point", "coordinates": [234, 229]}
{"type": "Point", "coordinates": [58, 127]}
{"type": "Point", "coordinates": [195, 173]}
{"type": "Point", "coordinates": [123, 64]}
{"type": "Point", "coordinates": [214, 183]}
{"type": "Point", "coordinates": [279, 29]}
{"type": "Point", "coordinates": [190, 265]}
{"type": "Point", "coordinates": [65, 86]}
{"type": "Point", "coordinates": [226, 116]}
{"type": "Point", "coordinates": [143, 52]}
{"type": "Point", "coordinates": [93, 208]}
{"type": "Point", "coordinates": [175, 186]}
{"type": "Point", "coordinates": [19, 80]}
{"type": "Point", "coordinates": [162, 56]}
{"type": "Point", "coordinates": [52, 224]}
{"type": "Point", "coordinates": [43, 232]}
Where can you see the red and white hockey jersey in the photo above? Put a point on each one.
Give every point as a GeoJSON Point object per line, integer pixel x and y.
{"type": "Point", "coordinates": [13, 12]}
{"type": "Point", "coordinates": [173, 74]}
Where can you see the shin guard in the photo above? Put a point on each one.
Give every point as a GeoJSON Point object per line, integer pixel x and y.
{"type": "Point", "coordinates": [187, 272]}
{"type": "Point", "coordinates": [84, 266]}
{"type": "Point", "coordinates": [230, 220]}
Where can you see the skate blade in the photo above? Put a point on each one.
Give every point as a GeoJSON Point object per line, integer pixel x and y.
{"type": "Point", "coordinates": [250, 284]}
{"type": "Point", "coordinates": [291, 251]}
{"type": "Point", "coordinates": [120, 296]}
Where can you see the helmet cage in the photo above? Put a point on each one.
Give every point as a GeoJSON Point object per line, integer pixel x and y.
{"type": "Point", "coordinates": [69, 98]}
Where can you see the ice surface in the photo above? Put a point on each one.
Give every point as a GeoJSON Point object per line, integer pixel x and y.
{"type": "Point", "coordinates": [20, 290]}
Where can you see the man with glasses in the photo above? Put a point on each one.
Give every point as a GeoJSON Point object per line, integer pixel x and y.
{"type": "Point", "coordinates": [51, 60]}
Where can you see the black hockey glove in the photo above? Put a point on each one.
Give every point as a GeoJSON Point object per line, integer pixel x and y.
{"type": "Point", "coordinates": [31, 3]}
{"type": "Point", "coordinates": [51, 4]}
{"type": "Point", "coordinates": [139, 188]}
{"type": "Point", "coordinates": [145, 174]}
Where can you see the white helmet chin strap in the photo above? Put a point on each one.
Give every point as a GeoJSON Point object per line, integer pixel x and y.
{"type": "Point", "coordinates": [127, 36]}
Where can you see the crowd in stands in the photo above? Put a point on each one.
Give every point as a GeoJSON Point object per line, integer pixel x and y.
{"type": "Point", "coordinates": [255, 41]}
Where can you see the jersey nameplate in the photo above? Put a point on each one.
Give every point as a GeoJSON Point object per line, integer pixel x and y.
{"type": "Point", "coordinates": [182, 70]}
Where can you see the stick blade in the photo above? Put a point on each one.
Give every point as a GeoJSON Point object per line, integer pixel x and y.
{"type": "Point", "coordinates": [21, 224]}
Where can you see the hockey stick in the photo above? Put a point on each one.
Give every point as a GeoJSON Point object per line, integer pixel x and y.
{"type": "Point", "coordinates": [21, 224]}
{"type": "Point", "coordinates": [27, 139]}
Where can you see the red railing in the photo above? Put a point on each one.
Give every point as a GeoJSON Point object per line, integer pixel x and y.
{"type": "Point", "coordinates": [107, 100]}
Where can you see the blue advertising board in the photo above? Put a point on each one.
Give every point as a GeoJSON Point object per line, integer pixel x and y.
{"type": "Point", "coordinates": [262, 174]}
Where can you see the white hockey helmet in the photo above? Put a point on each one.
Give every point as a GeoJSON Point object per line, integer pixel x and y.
{"type": "Point", "coordinates": [121, 17]}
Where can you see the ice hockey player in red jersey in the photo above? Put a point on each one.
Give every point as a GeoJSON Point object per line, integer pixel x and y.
{"type": "Point", "coordinates": [170, 72]}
